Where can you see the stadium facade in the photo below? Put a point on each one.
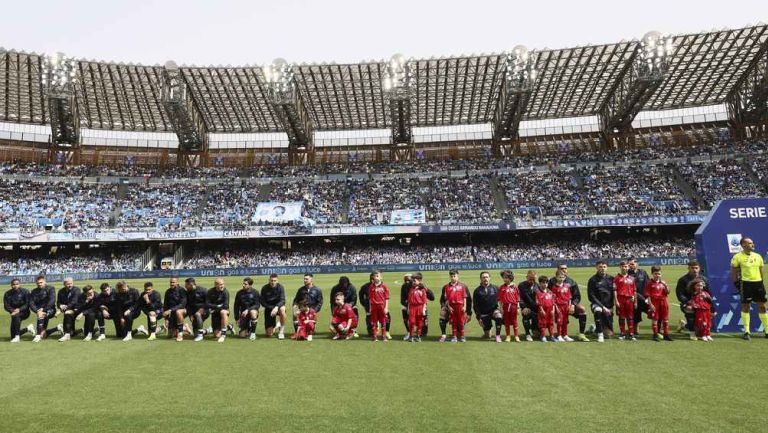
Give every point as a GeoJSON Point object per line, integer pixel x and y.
{"type": "Point", "coordinates": [660, 91]}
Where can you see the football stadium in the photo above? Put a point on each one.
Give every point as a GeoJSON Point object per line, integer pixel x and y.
{"type": "Point", "coordinates": [532, 240]}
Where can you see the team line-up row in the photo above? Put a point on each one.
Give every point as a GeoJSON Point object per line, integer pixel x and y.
{"type": "Point", "coordinates": [545, 305]}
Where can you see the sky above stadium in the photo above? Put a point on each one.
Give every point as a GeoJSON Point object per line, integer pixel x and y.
{"type": "Point", "coordinates": [239, 32]}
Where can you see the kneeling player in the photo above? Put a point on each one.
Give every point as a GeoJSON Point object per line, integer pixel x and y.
{"type": "Point", "coordinates": [273, 300]}
{"type": "Point", "coordinates": [247, 304]}
{"type": "Point", "coordinates": [343, 319]}
{"type": "Point", "coordinates": [218, 305]}
{"type": "Point", "coordinates": [701, 303]}
{"type": "Point", "coordinates": [16, 302]}
{"type": "Point", "coordinates": [152, 306]}
{"type": "Point", "coordinates": [656, 292]}
{"type": "Point", "coordinates": [126, 299]}
{"type": "Point", "coordinates": [509, 301]}
{"type": "Point", "coordinates": [175, 309]}
{"type": "Point", "coordinates": [562, 292]}
{"type": "Point", "coordinates": [197, 307]}
{"type": "Point", "coordinates": [486, 305]}
{"type": "Point", "coordinates": [417, 307]}
{"type": "Point", "coordinates": [88, 308]}
{"type": "Point", "coordinates": [42, 302]}
{"type": "Point", "coordinates": [66, 301]}
{"type": "Point", "coordinates": [307, 320]}
{"type": "Point", "coordinates": [546, 303]}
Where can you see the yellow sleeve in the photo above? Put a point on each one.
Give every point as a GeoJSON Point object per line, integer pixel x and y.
{"type": "Point", "coordinates": [735, 261]}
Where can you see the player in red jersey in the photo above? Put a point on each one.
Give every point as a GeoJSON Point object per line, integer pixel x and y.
{"type": "Point", "coordinates": [625, 287]}
{"type": "Point", "coordinates": [656, 292]}
{"type": "Point", "coordinates": [307, 320]}
{"type": "Point", "coordinates": [562, 292]}
{"type": "Point", "coordinates": [417, 306]}
{"type": "Point", "coordinates": [455, 295]}
{"type": "Point", "coordinates": [701, 303]}
{"type": "Point", "coordinates": [445, 311]}
{"type": "Point", "coordinates": [343, 319]}
{"type": "Point", "coordinates": [509, 301]}
{"type": "Point", "coordinates": [545, 300]}
{"type": "Point", "coordinates": [378, 295]}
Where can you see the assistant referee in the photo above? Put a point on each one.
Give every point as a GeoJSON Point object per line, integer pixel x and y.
{"type": "Point", "coordinates": [747, 272]}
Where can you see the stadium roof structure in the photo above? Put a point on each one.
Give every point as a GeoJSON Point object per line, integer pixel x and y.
{"type": "Point", "coordinates": [704, 68]}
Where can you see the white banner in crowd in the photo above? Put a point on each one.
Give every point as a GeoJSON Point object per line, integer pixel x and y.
{"type": "Point", "coordinates": [408, 216]}
{"type": "Point", "coordinates": [276, 212]}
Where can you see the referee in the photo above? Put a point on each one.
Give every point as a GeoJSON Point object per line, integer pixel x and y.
{"type": "Point", "coordinates": [747, 273]}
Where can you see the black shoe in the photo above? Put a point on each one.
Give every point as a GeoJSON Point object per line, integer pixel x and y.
{"type": "Point", "coordinates": [655, 337]}
{"type": "Point", "coordinates": [637, 336]}
{"type": "Point", "coordinates": [667, 338]}
{"type": "Point", "coordinates": [746, 336]}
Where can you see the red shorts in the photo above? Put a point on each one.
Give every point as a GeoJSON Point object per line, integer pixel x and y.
{"type": "Point", "coordinates": [661, 306]}
{"type": "Point", "coordinates": [335, 322]}
{"type": "Point", "coordinates": [509, 313]}
{"type": "Point", "coordinates": [378, 315]}
{"type": "Point", "coordinates": [457, 317]}
{"type": "Point", "coordinates": [561, 311]}
{"type": "Point", "coordinates": [305, 330]}
{"type": "Point", "coordinates": [625, 307]}
{"type": "Point", "coordinates": [546, 320]}
{"type": "Point", "coordinates": [415, 316]}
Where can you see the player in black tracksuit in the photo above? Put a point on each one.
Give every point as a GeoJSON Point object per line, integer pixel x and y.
{"type": "Point", "coordinates": [87, 304]}
{"type": "Point", "coordinates": [217, 301]}
{"type": "Point", "coordinates": [405, 288]}
{"type": "Point", "coordinates": [247, 304]}
{"type": "Point", "coordinates": [350, 295]}
{"type": "Point", "coordinates": [107, 305]}
{"type": "Point", "coordinates": [175, 309]}
{"type": "Point", "coordinates": [16, 303]}
{"type": "Point", "coordinates": [601, 297]}
{"type": "Point", "coordinates": [197, 306]}
{"type": "Point", "coordinates": [366, 303]}
{"type": "Point", "coordinates": [126, 309]}
{"type": "Point", "coordinates": [66, 302]}
{"type": "Point", "coordinates": [273, 300]}
{"type": "Point", "coordinates": [684, 296]}
{"type": "Point", "coordinates": [530, 309]}
{"type": "Point", "coordinates": [486, 306]}
{"type": "Point", "coordinates": [310, 293]}
{"type": "Point", "coordinates": [42, 303]}
{"type": "Point", "coordinates": [151, 305]}
{"type": "Point", "coordinates": [641, 278]}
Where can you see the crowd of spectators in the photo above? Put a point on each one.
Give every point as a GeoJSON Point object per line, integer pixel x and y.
{"type": "Point", "coordinates": [430, 252]}
{"type": "Point", "coordinates": [466, 199]}
{"type": "Point", "coordinates": [64, 261]}
{"type": "Point", "coordinates": [716, 180]}
{"type": "Point", "coordinates": [632, 189]}
{"type": "Point", "coordinates": [160, 206]}
{"type": "Point", "coordinates": [72, 206]}
{"type": "Point", "coordinates": [538, 194]}
{"type": "Point", "coordinates": [372, 201]}
{"type": "Point", "coordinates": [448, 190]}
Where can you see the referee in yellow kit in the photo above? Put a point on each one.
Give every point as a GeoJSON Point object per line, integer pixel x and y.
{"type": "Point", "coordinates": [747, 272]}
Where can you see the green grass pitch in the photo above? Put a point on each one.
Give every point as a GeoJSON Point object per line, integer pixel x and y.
{"type": "Point", "coordinates": [339, 386]}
